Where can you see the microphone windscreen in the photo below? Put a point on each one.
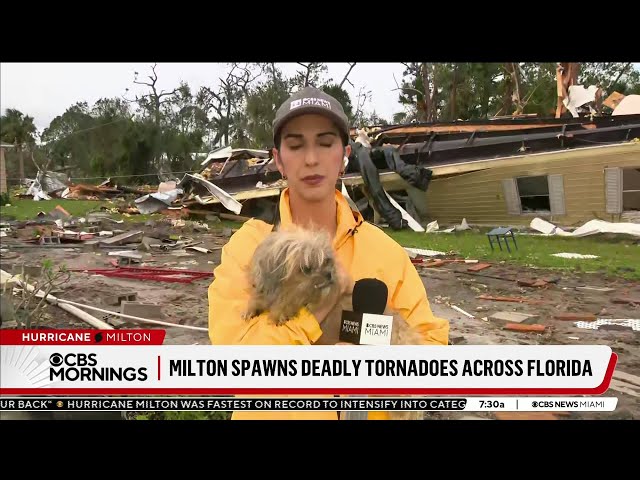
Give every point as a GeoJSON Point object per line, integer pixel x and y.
{"type": "Point", "coordinates": [370, 296]}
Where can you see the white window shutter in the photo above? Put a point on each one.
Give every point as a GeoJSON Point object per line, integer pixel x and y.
{"type": "Point", "coordinates": [556, 194]}
{"type": "Point", "coordinates": [511, 197]}
{"type": "Point", "coordinates": [613, 189]}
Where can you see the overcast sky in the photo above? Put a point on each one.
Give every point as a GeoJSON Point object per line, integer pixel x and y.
{"type": "Point", "coordinates": [46, 90]}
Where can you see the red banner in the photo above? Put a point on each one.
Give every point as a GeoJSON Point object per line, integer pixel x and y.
{"type": "Point", "coordinates": [82, 337]}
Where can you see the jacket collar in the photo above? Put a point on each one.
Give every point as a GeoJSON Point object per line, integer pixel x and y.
{"type": "Point", "coordinates": [348, 220]}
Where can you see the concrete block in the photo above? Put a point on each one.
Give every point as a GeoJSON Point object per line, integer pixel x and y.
{"type": "Point", "coordinates": [147, 242]}
{"type": "Point", "coordinates": [50, 240]}
{"type": "Point", "coordinates": [513, 317]}
{"type": "Point", "coordinates": [151, 311]}
{"type": "Point", "coordinates": [118, 299]}
{"type": "Point", "coordinates": [29, 270]}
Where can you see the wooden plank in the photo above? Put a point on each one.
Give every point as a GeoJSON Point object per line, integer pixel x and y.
{"type": "Point", "coordinates": [131, 237]}
{"type": "Point", "coordinates": [234, 218]}
{"type": "Point", "coordinates": [627, 377]}
{"type": "Point", "coordinates": [478, 267]}
{"type": "Point", "coordinates": [247, 195]}
{"type": "Point", "coordinates": [623, 387]}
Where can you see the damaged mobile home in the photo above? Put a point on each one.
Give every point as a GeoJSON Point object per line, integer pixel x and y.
{"type": "Point", "coordinates": [568, 170]}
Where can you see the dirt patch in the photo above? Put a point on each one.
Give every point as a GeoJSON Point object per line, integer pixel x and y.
{"type": "Point", "coordinates": [448, 285]}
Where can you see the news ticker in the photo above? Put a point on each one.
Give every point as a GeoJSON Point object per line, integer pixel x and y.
{"type": "Point", "coordinates": [343, 403]}
{"type": "Point", "coordinates": [137, 363]}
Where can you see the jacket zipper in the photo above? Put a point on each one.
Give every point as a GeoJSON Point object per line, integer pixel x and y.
{"type": "Point", "coordinates": [350, 233]}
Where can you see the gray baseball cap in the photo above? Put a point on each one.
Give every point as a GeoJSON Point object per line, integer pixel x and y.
{"type": "Point", "coordinates": [312, 100]}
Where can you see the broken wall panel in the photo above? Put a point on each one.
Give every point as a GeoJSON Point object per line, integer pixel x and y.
{"type": "Point", "coordinates": [480, 196]}
{"type": "Point", "coordinates": [438, 149]}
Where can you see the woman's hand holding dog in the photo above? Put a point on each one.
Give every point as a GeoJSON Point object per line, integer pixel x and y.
{"type": "Point", "coordinates": [346, 288]}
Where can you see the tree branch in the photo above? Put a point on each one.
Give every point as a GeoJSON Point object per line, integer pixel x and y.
{"type": "Point", "coordinates": [619, 75]}
{"type": "Point", "coordinates": [351, 65]}
{"type": "Point", "coordinates": [405, 88]}
{"type": "Point", "coordinates": [306, 78]}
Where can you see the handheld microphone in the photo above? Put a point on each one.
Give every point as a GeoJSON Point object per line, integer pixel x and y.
{"type": "Point", "coordinates": [367, 324]}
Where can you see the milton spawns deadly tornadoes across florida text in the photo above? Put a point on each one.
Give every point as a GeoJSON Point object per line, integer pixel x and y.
{"type": "Point", "coordinates": [347, 368]}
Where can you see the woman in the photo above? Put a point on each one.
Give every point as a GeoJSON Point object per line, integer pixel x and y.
{"type": "Point", "coordinates": [311, 138]}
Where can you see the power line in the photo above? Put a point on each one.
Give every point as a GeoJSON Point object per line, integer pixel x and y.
{"type": "Point", "coordinates": [86, 130]}
{"type": "Point", "coordinates": [123, 176]}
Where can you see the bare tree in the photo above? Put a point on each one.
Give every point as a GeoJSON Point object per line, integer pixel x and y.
{"type": "Point", "coordinates": [154, 100]}
{"type": "Point", "coordinates": [363, 97]}
{"type": "Point", "coordinates": [311, 74]}
{"type": "Point", "coordinates": [345, 79]}
{"type": "Point", "coordinates": [426, 97]}
{"type": "Point", "coordinates": [512, 94]}
{"type": "Point", "coordinates": [566, 76]}
{"type": "Point", "coordinates": [227, 99]}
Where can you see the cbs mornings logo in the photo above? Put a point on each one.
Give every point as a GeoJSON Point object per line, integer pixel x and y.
{"type": "Point", "coordinates": [83, 367]}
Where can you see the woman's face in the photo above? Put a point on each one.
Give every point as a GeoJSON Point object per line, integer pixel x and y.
{"type": "Point", "coordinates": [311, 156]}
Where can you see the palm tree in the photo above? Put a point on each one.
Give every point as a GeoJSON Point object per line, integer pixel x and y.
{"type": "Point", "coordinates": [19, 129]}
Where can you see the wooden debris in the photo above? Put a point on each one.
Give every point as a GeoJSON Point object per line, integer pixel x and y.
{"type": "Point", "coordinates": [234, 218]}
{"type": "Point", "coordinates": [532, 283]}
{"type": "Point", "coordinates": [512, 299]}
{"type": "Point", "coordinates": [478, 267]}
{"type": "Point", "coordinates": [626, 300]}
{"type": "Point", "coordinates": [627, 377]}
{"type": "Point", "coordinates": [577, 317]}
{"type": "Point", "coordinates": [624, 387]}
{"type": "Point", "coordinates": [519, 327]}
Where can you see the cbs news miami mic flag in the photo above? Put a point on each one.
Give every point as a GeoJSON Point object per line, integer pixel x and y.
{"type": "Point", "coordinates": [86, 362]}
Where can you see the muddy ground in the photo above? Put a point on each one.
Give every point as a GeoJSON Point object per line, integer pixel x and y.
{"type": "Point", "coordinates": [447, 285]}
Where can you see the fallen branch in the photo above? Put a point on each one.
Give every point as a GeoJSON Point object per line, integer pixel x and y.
{"type": "Point", "coordinates": [139, 319]}
{"type": "Point", "coordinates": [84, 316]}
{"type": "Point", "coordinates": [512, 299]}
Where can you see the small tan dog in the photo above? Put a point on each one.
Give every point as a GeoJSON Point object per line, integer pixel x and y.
{"type": "Point", "coordinates": [291, 269]}
{"type": "Point", "coordinates": [296, 268]}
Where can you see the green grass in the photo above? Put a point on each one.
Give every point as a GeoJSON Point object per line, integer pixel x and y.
{"type": "Point", "coordinates": [617, 254]}
{"type": "Point", "coordinates": [26, 209]}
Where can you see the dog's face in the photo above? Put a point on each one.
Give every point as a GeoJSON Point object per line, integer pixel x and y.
{"type": "Point", "coordinates": [296, 263]}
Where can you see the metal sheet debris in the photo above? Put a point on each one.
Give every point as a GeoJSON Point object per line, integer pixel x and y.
{"type": "Point", "coordinates": [425, 253]}
{"type": "Point", "coordinates": [592, 227]}
{"type": "Point", "coordinates": [629, 105]}
{"type": "Point", "coordinates": [413, 223]}
{"type": "Point", "coordinates": [578, 96]}
{"type": "Point", "coordinates": [154, 202]}
{"type": "Point", "coordinates": [432, 227]}
{"type": "Point", "coordinates": [631, 323]}
{"type": "Point", "coordinates": [573, 255]}
{"type": "Point", "coordinates": [227, 200]}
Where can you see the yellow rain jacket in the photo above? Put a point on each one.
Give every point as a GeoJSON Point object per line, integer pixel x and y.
{"type": "Point", "coordinates": [363, 249]}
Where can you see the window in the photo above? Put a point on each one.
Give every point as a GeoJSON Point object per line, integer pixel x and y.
{"type": "Point", "coordinates": [630, 189]}
{"type": "Point", "coordinates": [539, 195]}
{"type": "Point", "coordinates": [534, 194]}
